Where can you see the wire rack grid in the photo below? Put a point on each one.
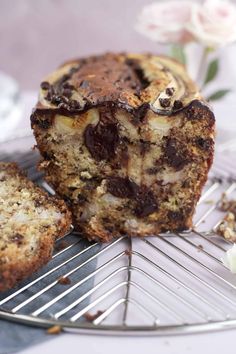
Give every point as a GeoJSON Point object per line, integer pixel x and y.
{"type": "Point", "coordinates": [161, 285]}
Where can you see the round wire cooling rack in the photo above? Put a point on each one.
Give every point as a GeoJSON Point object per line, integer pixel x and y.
{"type": "Point", "coordinates": [160, 285]}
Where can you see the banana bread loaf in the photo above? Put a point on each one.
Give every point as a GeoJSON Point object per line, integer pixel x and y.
{"type": "Point", "coordinates": [127, 140]}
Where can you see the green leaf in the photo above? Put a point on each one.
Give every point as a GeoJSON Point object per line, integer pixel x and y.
{"type": "Point", "coordinates": [218, 95]}
{"type": "Point", "coordinates": [177, 52]}
{"type": "Point", "coordinates": [212, 71]}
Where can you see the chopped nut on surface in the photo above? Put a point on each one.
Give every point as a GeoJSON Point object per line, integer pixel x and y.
{"type": "Point", "coordinates": [54, 330]}
{"type": "Point", "coordinates": [200, 248]}
{"type": "Point", "coordinates": [227, 228]}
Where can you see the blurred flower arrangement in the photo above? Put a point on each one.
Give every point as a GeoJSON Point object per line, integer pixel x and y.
{"type": "Point", "coordinates": [210, 23]}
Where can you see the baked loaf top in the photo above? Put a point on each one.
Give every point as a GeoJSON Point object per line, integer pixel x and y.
{"type": "Point", "coordinates": [30, 221]}
{"type": "Point", "coordinates": [134, 82]}
{"type": "Point", "coordinates": [128, 140]}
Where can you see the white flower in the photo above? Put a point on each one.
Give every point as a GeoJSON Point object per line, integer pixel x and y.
{"type": "Point", "coordinates": [214, 23]}
{"type": "Point", "coordinates": [166, 22]}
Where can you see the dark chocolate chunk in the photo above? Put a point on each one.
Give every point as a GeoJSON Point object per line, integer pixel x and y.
{"type": "Point", "coordinates": [175, 154]}
{"type": "Point", "coordinates": [144, 200]}
{"type": "Point", "coordinates": [101, 140]}
{"type": "Point", "coordinates": [146, 203]}
{"type": "Point", "coordinates": [122, 187]}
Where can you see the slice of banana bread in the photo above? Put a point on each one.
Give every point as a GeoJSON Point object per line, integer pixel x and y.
{"type": "Point", "coordinates": [128, 140]}
{"type": "Point", "coordinates": [30, 221]}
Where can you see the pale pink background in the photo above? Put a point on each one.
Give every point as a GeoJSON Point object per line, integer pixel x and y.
{"type": "Point", "coordinates": [38, 35]}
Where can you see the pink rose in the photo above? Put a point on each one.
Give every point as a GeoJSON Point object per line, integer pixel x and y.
{"type": "Point", "coordinates": [214, 22]}
{"type": "Point", "coordinates": [166, 21]}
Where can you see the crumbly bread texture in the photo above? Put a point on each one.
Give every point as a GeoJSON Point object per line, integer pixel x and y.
{"type": "Point", "coordinates": [30, 221]}
{"type": "Point", "coordinates": [127, 140]}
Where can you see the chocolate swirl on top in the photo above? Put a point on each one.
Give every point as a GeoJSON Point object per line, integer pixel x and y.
{"type": "Point", "coordinates": [131, 82]}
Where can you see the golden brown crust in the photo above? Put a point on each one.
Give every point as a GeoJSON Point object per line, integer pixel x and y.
{"type": "Point", "coordinates": [29, 223]}
{"type": "Point", "coordinates": [134, 82]}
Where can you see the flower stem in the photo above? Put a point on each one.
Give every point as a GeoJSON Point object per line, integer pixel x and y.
{"type": "Point", "coordinates": [177, 52]}
{"type": "Point", "coordinates": [202, 67]}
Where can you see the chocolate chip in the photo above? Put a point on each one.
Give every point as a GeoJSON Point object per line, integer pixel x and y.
{"type": "Point", "coordinates": [175, 215]}
{"type": "Point", "coordinates": [164, 102]}
{"type": "Point", "coordinates": [45, 85]}
{"type": "Point", "coordinates": [177, 105]}
{"type": "Point", "coordinates": [170, 91]}
{"type": "Point", "coordinates": [38, 203]}
{"type": "Point", "coordinates": [204, 144]}
{"type": "Point", "coordinates": [17, 238]}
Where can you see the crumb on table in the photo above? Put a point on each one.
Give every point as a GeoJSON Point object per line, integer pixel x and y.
{"type": "Point", "coordinates": [64, 280]}
{"type": "Point", "coordinates": [227, 227]}
{"type": "Point", "coordinates": [54, 330]}
{"type": "Point", "coordinates": [91, 317]}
